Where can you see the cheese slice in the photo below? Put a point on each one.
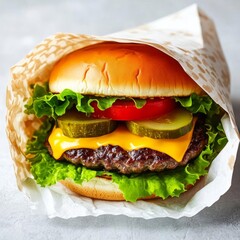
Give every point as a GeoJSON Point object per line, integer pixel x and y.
{"type": "Point", "coordinates": [175, 148]}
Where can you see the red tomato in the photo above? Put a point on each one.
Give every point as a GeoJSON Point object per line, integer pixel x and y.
{"type": "Point", "coordinates": [126, 110]}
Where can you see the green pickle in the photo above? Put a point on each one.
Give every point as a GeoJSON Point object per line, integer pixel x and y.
{"type": "Point", "coordinates": [77, 125]}
{"type": "Point", "coordinates": [172, 125]}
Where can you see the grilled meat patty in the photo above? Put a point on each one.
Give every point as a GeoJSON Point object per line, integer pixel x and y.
{"type": "Point", "coordinates": [114, 158]}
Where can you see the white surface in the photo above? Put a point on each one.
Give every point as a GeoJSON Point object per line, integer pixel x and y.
{"type": "Point", "coordinates": [23, 24]}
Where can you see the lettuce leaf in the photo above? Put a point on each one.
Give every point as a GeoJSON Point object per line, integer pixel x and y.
{"type": "Point", "coordinates": [199, 104]}
{"type": "Point", "coordinates": [44, 103]}
{"type": "Point", "coordinates": [47, 171]}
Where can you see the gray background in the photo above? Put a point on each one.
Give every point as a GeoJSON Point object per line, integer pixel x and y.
{"type": "Point", "coordinates": [25, 23]}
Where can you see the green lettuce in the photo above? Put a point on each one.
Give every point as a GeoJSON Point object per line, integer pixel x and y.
{"type": "Point", "coordinates": [171, 183]}
{"type": "Point", "coordinates": [44, 103]}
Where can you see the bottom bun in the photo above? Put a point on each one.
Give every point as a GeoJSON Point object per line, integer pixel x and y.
{"type": "Point", "coordinates": [98, 188]}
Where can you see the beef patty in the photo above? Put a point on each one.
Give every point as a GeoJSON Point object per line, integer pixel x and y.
{"type": "Point", "coordinates": [114, 158]}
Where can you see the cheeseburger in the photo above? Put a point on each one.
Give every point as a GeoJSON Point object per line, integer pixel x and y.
{"type": "Point", "coordinates": [122, 121]}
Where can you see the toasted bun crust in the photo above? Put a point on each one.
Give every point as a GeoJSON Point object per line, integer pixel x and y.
{"type": "Point", "coordinates": [121, 69]}
{"type": "Point", "coordinates": [97, 188]}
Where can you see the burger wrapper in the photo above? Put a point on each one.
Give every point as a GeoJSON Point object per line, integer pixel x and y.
{"type": "Point", "coordinates": [189, 36]}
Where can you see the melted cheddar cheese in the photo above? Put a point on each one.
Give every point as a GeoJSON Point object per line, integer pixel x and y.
{"type": "Point", "coordinates": [175, 148]}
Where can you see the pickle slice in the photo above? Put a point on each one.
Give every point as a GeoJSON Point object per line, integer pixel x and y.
{"type": "Point", "coordinates": [172, 125]}
{"type": "Point", "coordinates": [77, 125]}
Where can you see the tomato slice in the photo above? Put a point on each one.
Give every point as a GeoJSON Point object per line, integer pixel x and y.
{"type": "Point", "coordinates": [125, 110]}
